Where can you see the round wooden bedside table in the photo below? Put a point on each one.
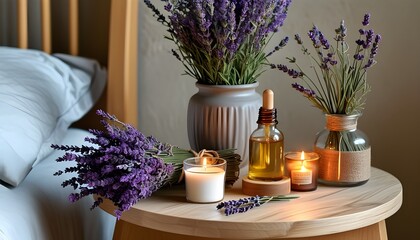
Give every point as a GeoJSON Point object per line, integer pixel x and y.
{"type": "Point", "coordinates": [326, 213]}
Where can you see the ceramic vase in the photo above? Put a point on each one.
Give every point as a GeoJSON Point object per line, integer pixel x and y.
{"type": "Point", "coordinates": [223, 117]}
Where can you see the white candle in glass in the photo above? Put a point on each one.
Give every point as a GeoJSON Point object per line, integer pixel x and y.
{"type": "Point", "coordinates": [204, 183]}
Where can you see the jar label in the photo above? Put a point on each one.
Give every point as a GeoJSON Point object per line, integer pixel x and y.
{"type": "Point", "coordinates": [336, 166]}
{"type": "Point", "coordinates": [300, 177]}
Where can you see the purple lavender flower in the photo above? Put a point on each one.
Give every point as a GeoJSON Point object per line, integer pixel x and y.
{"type": "Point", "coordinates": [244, 204]}
{"type": "Point", "coordinates": [279, 15]}
{"type": "Point", "coordinates": [298, 87]}
{"type": "Point", "coordinates": [160, 17]}
{"type": "Point", "coordinates": [329, 59]}
{"type": "Point", "coordinates": [283, 68]}
{"type": "Point", "coordinates": [123, 167]}
{"type": "Point", "coordinates": [340, 81]}
{"type": "Point", "coordinates": [281, 45]}
{"type": "Point", "coordinates": [341, 32]}
{"type": "Point", "coordinates": [294, 73]}
{"type": "Point", "coordinates": [368, 64]}
{"type": "Point", "coordinates": [230, 42]}
{"type": "Point", "coordinates": [324, 41]}
{"type": "Point", "coordinates": [283, 42]}
{"type": "Point", "coordinates": [374, 49]}
{"type": "Point", "coordinates": [366, 19]}
{"type": "Point", "coordinates": [358, 56]}
{"type": "Point", "coordinates": [318, 38]}
{"type": "Point", "coordinates": [378, 38]}
{"type": "Point", "coordinates": [360, 42]}
{"type": "Point", "coordinates": [216, 30]}
{"type": "Point", "coordinates": [168, 7]}
{"type": "Point", "coordinates": [309, 93]}
{"type": "Point", "coordinates": [369, 39]}
{"type": "Point", "coordinates": [314, 36]}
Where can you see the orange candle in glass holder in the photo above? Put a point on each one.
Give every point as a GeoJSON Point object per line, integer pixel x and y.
{"type": "Point", "coordinates": [302, 168]}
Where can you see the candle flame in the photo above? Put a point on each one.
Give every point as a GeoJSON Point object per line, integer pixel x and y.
{"type": "Point", "coordinates": [302, 156]}
{"type": "Point", "coordinates": [205, 162]}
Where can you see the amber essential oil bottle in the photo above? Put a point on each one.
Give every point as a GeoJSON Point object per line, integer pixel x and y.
{"type": "Point", "coordinates": [266, 156]}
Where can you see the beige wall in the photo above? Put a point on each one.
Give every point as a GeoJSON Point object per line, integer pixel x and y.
{"type": "Point", "coordinates": [391, 115]}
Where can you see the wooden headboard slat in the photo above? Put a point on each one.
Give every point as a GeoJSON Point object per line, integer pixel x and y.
{"type": "Point", "coordinates": [74, 27]}
{"type": "Point", "coordinates": [22, 14]}
{"type": "Point", "coordinates": [122, 61]}
{"type": "Point", "coordinates": [46, 25]}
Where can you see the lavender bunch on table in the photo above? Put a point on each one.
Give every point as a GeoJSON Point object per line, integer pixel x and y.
{"type": "Point", "coordinates": [221, 42]}
{"type": "Point", "coordinates": [337, 80]}
{"type": "Point", "coordinates": [123, 168]}
{"type": "Point", "coordinates": [244, 204]}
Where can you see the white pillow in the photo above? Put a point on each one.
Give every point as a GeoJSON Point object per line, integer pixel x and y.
{"type": "Point", "coordinates": [40, 96]}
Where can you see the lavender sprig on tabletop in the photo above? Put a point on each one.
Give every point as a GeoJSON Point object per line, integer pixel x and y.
{"type": "Point", "coordinates": [337, 82]}
{"type": "Point", "coordinates": [245, 204]}
{"type": "Point", "coordinates": [123, 165]}
{"type": "Point", "coordinates": [221, 42]}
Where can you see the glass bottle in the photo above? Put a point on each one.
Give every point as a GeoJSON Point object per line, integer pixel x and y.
{"type": "Point", "coordinates": [345, 152]}
{"type": "Point", "coordinates": [266, 156]}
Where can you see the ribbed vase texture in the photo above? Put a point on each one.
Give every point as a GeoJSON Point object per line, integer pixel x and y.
{"type": "Point", "coordinates": [223, 117]}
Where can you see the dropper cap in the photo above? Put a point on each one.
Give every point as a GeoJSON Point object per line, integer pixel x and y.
{"type": "Point", "coordinates": [268, 99]}
{"type": "Point", "coordinates": [267, 113]}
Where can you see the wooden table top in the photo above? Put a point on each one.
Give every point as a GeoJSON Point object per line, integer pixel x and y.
{"type": "Point", "coordinates": [326, 210]}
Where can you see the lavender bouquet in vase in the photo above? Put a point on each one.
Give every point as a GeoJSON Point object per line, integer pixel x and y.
{"type": "Point", "coordinates": [337, 85]}
{"type": "Point", "coordinates": [221, 44]}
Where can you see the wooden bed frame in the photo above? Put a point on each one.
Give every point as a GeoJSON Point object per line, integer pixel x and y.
{"type": "Point", "coordinates": [120, 44]}
{"type": "Point", "coordinates": [118, 51]}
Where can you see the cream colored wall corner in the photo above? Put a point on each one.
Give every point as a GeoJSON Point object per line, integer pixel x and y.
{"type": "Point", "coordinates": [392, 111]}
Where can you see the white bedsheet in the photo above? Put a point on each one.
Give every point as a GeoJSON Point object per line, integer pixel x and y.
{"type": "Point", "coordinates": [39, 208]}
